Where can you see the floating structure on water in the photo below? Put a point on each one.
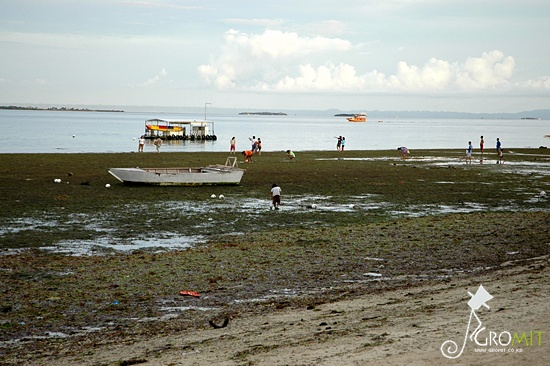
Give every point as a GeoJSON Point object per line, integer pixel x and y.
{"type": "Point", "coordinates": [171, 129]}
{"type": "Point", "coordinates": [358, 118]}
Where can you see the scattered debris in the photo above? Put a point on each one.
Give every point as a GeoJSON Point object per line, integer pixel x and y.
{"type": "Point", "coordinates": [372, 274]}
{"type": "Point", "coordinates": [223, 325]}
{"type": "Point", "coordinates": [133, 361]}
{"type": "Point", "coordinates": [189, 293]}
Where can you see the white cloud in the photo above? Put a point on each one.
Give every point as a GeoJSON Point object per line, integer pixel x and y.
{"type": "Point", "coordinates": [542, 83]}
{"type": "Point", "coordinates": [155, 79]}
{"type": "Point", "coordinates": [249, 61]}
{"type": "Point", "coordinates": [285, 62]}
{"type": "Point", "coordinates": [490, 70]}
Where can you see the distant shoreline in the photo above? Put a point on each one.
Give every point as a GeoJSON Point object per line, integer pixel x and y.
{"type": "Point", "coordinates": [56, 109]}
{"type": "Point", "coordinates": [263, 113]}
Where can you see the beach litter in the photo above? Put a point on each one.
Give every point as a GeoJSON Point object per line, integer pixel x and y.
{"type": "Point", "coordinates": [190, 293]}
{"type": "Point", "coordinates": [372, 274]}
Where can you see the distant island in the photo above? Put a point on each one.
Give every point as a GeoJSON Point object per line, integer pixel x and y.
{"type": "Point", "coordinates": [345, 115]}
{"type": "Point", "coordinates": [62, 109]}
{"type": "Point", "coordinates": [263, 113]}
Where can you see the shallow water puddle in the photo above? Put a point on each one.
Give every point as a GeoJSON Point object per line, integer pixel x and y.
{"type": "Point", "coordinates": [178, 225]}
{"type": "Point", "coordinates": [101, 246]}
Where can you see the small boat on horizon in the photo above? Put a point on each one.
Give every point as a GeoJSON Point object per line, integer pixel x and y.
{"type": "Point", "coordinates": [361, 117]}
{"type": "Point", "coordinates": [228, 174]}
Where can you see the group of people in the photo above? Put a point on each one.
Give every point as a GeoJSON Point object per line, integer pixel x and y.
{"type": "Point", "coordinates": [470, 150]}
{"type": "Point", "coordinates": [141, 143]}
{"type": "Point", "coordinates": [340, 143]}
{"type": "Point", "coordinates": [256, 148]}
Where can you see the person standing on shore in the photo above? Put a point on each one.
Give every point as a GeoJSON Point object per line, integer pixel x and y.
{"type": "Point", "coordinates": [141, 143]}
{"type": "Point", "coordinates": [275, 195]}
{"type": "Point", "coordinates": [338, 143]}
{"type": "Point", "coordinates": [343, 143]}
{"type": "Point", "coordinates": [481, 146]}
{"type": "Point", "coordinates": [259, 147]}
{"type": "Point", "coordinates": [254, 143]}
{"type": "Point", "coordinates": [499, 150]}
{"type": "Point", "coordinates": [158, 144]}
{"type": "Point", "coordinates": [232, 145]}
{"type": "Point", "coordinates": [469, 153]}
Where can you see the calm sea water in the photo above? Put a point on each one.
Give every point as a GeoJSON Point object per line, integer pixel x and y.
{"type": "Point", "coordinates": [77, 132]}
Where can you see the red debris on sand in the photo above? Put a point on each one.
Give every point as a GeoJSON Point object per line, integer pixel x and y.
{"type": "Point", "coordinates": [189, 293]}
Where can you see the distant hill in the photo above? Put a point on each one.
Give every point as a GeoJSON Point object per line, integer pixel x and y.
{"type": "Point", "coordinates": [543, 114]}
{"type": "Point", "coordinates": [263, 113]}
{"type": "Point", "coordinates": [57, 109]}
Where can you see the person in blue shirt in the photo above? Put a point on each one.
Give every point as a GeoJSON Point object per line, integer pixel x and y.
{"type": "Point", "coordinates": [469, 153]}
{"type": "Point", "coordinates": [499, 150]}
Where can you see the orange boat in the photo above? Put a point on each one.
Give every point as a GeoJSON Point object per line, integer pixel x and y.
{"type": "Point", "coordinates": [358, 118]}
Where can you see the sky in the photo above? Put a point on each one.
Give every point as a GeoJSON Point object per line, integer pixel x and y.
{"type": "Point", "coordinates": [415, 55]}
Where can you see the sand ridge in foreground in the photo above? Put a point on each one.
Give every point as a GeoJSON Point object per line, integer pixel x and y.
{"type": "Point", "coordinates": [397, 327]}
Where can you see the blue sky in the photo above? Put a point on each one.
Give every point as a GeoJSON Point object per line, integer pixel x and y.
{"type": "Point", "coordinates": [446, 55]}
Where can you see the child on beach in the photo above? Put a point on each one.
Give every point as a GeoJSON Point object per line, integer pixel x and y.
{"type": "Point", "coordinates": [338, 143]}
{"type": "Point", "coordinates": [232, 145]}
{"type": "Point", "coordinates": [158, 144]}
{"type": "Point", "coordinates": [248, 156]}
{"type": "Point", "coordinates": [275, 195]}
{"type": "Point", "coordinates": [469, 153]}
{"type": "Point", "coordinates": [141, 143]}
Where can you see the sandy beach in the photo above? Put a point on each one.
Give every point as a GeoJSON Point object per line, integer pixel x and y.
{"type": "Point", "coordinates": [397, 327]}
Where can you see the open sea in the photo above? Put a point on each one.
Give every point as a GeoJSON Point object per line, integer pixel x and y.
{"type": "Point", "coordinates": [108, 132]}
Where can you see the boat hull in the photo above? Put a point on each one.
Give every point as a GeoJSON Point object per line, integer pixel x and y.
{"type": "Point", "coordinates": [214, 175]}
{"type": "Point", "coordinates": [357, 119]}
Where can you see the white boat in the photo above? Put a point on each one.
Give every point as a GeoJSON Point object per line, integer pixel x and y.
{"type": "Point", "coordinates": [228, 174]}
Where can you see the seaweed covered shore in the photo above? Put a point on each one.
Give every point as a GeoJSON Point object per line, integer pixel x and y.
{"type": "Point", "coordinates": [85, 266]}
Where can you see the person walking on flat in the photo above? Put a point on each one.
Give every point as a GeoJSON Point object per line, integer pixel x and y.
{"type": "Point", "coordinates": [275, 195]}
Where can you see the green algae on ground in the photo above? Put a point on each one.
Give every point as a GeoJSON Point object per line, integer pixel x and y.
{"type": "Point", "coordinates": [266, 261]}
{"type": "Point", "coordinates": [358, 187]}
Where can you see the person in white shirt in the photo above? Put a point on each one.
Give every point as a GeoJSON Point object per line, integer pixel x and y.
{"type": "Point", "coordinates": [275, 196]}
{"type": "Point", "coordinates": [141, 143]}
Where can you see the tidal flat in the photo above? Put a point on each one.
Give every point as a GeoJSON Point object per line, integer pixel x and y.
{"type": "Point", "coordinates": [78, 257]}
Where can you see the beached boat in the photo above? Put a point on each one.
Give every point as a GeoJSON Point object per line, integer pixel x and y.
{"type": "Point", "coordinates": [228, 174]}
{"type": "Point", "coordinates": [358, 118]}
